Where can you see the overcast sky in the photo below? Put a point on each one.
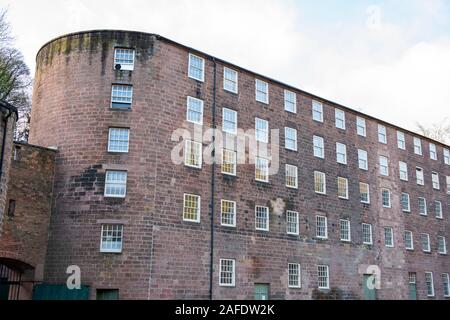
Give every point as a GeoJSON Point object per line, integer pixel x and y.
{"type": "Point", "coordinates": [389, 59]}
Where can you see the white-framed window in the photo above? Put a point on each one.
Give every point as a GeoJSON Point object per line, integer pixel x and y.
{"type": "Point", "coordinates": [191, 208]}
{"type": "Point", "coordinates": [423, 210]}
{"type": "Point", "coordinates": [290, 139]}
{"type": "Point", "coordinates": [262, 130]}
{"type": "Point", "coordinates": [341, 153]}
{"type": "Point", "coordinates": [319, 147]}
{"type": "Point", "coordinates": [227, 277]}
{"type": "Point", "coordinates": [405, 202]}
{"type": "Point", "coordinates": [435, 179]}
{"type": "Point", "coordinates": [442, 245]}
{"type": "Point", "coordinates": [389, 237]}
{"type": "Point", "coordinates": [433, 151]}
{"type": "Point", "coordinates": [262, 91]}
{"type": "Point", "coordinates": [417, 146]}
{"type": "Point", "coordinates": [345, 230]}
{"type": "Point", "coordinates": [291, 176]}
{"type": "Point", "coordinates": [323, 278]}
{"type": "Point", "coordinates": [386, 198]}
{"type": "Point", "coordinates": [262, 218]}
{"type": "Point", "coordinates": [112, 238]}
{"type": "Point", "coordinates": [193, 154]}
{"type": "Point", "coordinates": [361, 128]}
{"type": "Point", "coordinates": [409, 242]}
{"type": "Point", "coordinates": [420, 176]}
{"type": "Point", "coordinates": [321, 227]}
{"type": "Point", "coordinates": [124, 57]}
{"type": "Point", "coordinates": [121, 96]}
{"type": "Point", "coordinates": [118, 140]}
{"type": "Point", "coordinates": [194, 110]}
{"type": "Point", "coordinates": [228, 213]}
{"type": "Point", "coordinates": [292, 223]}
{"type": "Point", "coordinates": [364, 191]}
{"type": "Point", "coordinates": [290, 101]}
{"type": "Point", "coordinates": [446, 284]}
{"type": "Point", "coordinates": [230, 80]}
{"type": "Point", "coordinates": [229, 162]}
{"type": "Point", "coordinates": [342, 188]}
{"type": "Point", "coordinates": [430, 284]}
{"type": "Point", "coordinates": [317, 111]}
{"type": "Point", "coordinates": [367, 234]}
{"type": "Point", "coordinates": [196, 68]}
{"type": "Point", "coordinates": [363, 160]}
{"type": "Point", "coordinates": [229, 121]}
{"type": "Point", "coordinates": [294, 275]}
{"type": "Point", "coordinates": [320, 184]}
{"type": "Point", "coordinates": [425, 240]}
{"type": "Point", "coordinates": [382, 135]}
{"type": "Point", "coordinates": [262, 169]}
{"type": "Point", "coordinates": [384, 166]}
{"type": "Point", "coordinates": [403, 170]}
{"type": "Point", "coordinates": [339, 119]}
{"type": "Point", "coordinates": [447, 156]}
{"type": "Point", "coordinates": [401, 141]}
{"type": "Point", "coordinates": [115, 184]}
{"type": "Point", "coordinates": [438, 209]}
{"type": "Point", "coordinates": [448, 184]}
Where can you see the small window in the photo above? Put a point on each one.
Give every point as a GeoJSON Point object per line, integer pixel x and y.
{"type": "Point", "coordinates": [423, 207]}
{"type": "Point", "coordinates": [196, 68]}
{"type": "Point", "coordinates": [438, 209]}
{"type": "Point", "coordinates": [229, 121]}
{"type": "Point", "coordinates": [364, 192]}
{"type": "Point", "coordinates": [16, 154]}
{"type": "Point", "coordinates": [345, 230]}
{"type": "Point", "coordinates": [262, 91]}
{"type": "Point", "coordinates": [291, 176]}
{"type": "Point", "coordinates": [446, 285]}
{"type": "Point", "coordinates": [228, 213]}
{"type": "Point", "coordinates": [419, 176]}
{"type": "Point", "coordinates": [417, 146]}
{"type": "Point", "coordinates": [262, 169]}
{"type": "Point", "coordinates": [317, 111]}
{"type": "Point", "coordinates": [412, 278]}
{"type": "Point", "coordinates": [124, 58]}
{"type": "Point", "coordinates": [290, 101]}
{"type": "Point", "coordinates": [321, 227]}
{"type": "Point", "coordinates": [319, 148]}
{"type": "Point", "coordinates": [389, 237]}
{"type": "Point", "coordinates": [442, 245]}
{"type": "Point", "coordinates": [229, 162]}
{"type": "Point", "coordinates": [339, 119]}
{"type": "Point", "coordinates": [323, 277]}
{"type": "Point", "coordinates": [194, 112]}
{"type": "Point", "coordinates": [430, 284]}
{"type": "Point", "coordinates": [191, 208]}
{"type": "Point", "coordinates": [11, 208]}
{"type": "Point", "coordinates": [121, 96]}
{"type": "Point", "coordinates": [361, 126]}
{"type": "Point", "coordinates": [382, 135]}
{"type": "Point", "coordinates": [262, 130]}
{"type": "Point", "coordinates": [447, 156]}
{"type": "Point", "coordinates": [409, 243]}
{"type": "Point", "coordinates": [115, 184]}
{"type": "Point", "coordinates": [290, 140]}
{"type": "Point", "coordinates": [403, 169]}
{"type": "Point", "coordinates": [401, 142]}
{"type": "Point", "coordinates": [433, 151]}
{"type": "Point", "coordinates": [230, 80]}
{"type": "Point", "coordinates": [107, 294]}
{"type": "Point", "coordinates": [341, 153]}
{"type": "Point", "coordinates": [294, 275]}
{"type": "Point", "coordinates": [292, 223]}
{"type": "Point", "coordinates": [262, 218]}
{"type": "Point", "coordinates": [342, 188]}
{"type": "Point", "coordinates": [406, 204]}
{"type": "Point", "coordinates": [320, 183]}
{"type": "Point", "coordinates": [367, 234]}
{"type": "Point", "coordinates": [384, 166]}
{"type": "Point", "coordinates": [386, 198]}
{"type": "Point", "coordinates": [112, 238]}
{"type": "Point", "coordinates": [118, 140]}
{"type": "Point", "coordinates": [435, 179]}
{"type": "Point", "coordinates": [362, 160]}
{"type": "Point", "coordinates": [425, 239]}
{"type": "Point", "coordinates": [227, 273]}
{"type": "Point", "coordinates": [193, 154]}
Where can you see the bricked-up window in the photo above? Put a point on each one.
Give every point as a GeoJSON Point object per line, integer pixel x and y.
{"type": "Point", "coordinates": [341, 153]}
{"type": "Point", "coordinates": [193, 154]}
{"type": "Point", "coordinates": [345, 230]}
{"type": "Point", "coordinates": [320, 184]}
{"type": "Point", "coordinates": [229, 162]}
{"type": "Point", "coordinates": [430, 284]}
{"type": "Point", "coordinates": [319, 147]}
{"type": "Point", "coordinates": [228, 210]}
{"type": "Point", "coordinates": [290, 101]}
{"type": "Point", "coordinates": [196, 68]}
{"type": "Point", "coordinates": [323, 279]}
{"type": "Point", "coordinates": [401, 142]}
{"type": "Point", "coordinates": [290, 140]}
{"type": "Point", "coordinates": [384, 166]}
{"type": "Point", "coordinates": [417, 146]}
{"type": "Point", "coordinates": [339, 119]}
{"type": "Point", "coordinates": [364, 191]}
{"type": "Point", "coordinates": [321, 227]}
{"type": "Point", "coordinates": [294, 275]}
{"type": "Point", "coordinates": [433, 151]}
{"type": "Point", "coordinates": [446, 284]}
{"type": "Point", "coordinates": [435, 179]}
{"type": "Point", "coordinates": [423, 210]}
{"type": "Point", "coordinates": [362, 160]}
{"type": "Point", "coordinates": [403, 169]}
{"type": "Point", "coordinates": [124, 57]}
{"type": "Point", "coordinates": [367, 234]}
{"type": "Point", "coordinates": [442, 245]}
{"type": "Point", "coordinates": [262, 218]}
{"type": "Point", "coordinates": [291, 176]}
{"type": "Point", "coordinates": [262, 130]}
{"type": "Point", "coordinates": [292, 223]}
{"type": "Point", "coordinates": [342, 187]}
{"type": "Point", "coordinates": [317, 111]}
{"type": "Point", "coordinates": [386, 198]}
{"type": "Point", "coordinates": [361, 126]}
{"type": "Point", "coordinates": [389, 237]}
{"type": "Point", "coordinates": [229, 121]}
{"type": "Point", "coordinates": [438, 209]}
{"type": "Point", "coordinates": [227, 273]}
{"type": "Point", "coordinates": [230, 80]}
{"type": "Point", "coordinates": [382, 135]}
{"type": "Point", "coordinates": [194, 110]}
{"type": "Point", "coordinates": [425, 240]}
{"type": "Point", "coordinates": [121, 96]}
{"type": "Point", "coordinates": [115, 184]}
{"type": "Point", "coordinates": [118, 140]}
{"type": "Point", "coordinates": [11, 207]}
{"type": "Point", "coordinates": [262, 91]}
{"type": "Point", "coordinates": [406, 203]}
{"type": "Point", "coordinates": [447, 156]}
{"type": "Point", "coordinates": [191, 208]}
{"type": "Point", "coordinates": [112, 238]}
{"type": "Point", "coordinates": [261, 169]}
{"type": "Point", "coordinates": [409, 243]}
{"type": "Point", "coordinates": [419, 176]}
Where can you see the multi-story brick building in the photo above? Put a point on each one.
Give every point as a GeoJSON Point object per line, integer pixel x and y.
{"type": "Point", "coordinates": [143, 215]}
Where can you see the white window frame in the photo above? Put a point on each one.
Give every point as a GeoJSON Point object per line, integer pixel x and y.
{"type": "Point", "coordinates": [266, 169]}
{"type": "Point", "coordinates": [418, 146]}
{"type": "Point", "coordinates": [435, 181]}
{"type": "Point", "coordinates": [363, 160]}
{"type": "Point", "coordinates": [446, 284]}
{"type": "Point", "coordinates": [297, 268]}
{"type": "Point", "coordinates": [444, 241]}
{"type": "Point", "coordinates": [186, 154]}
{"type": "Point", "coordinates": [341, 150]}
{"type": "Point", "coordinates": [234, 163]}
{"type": "Point", "coordinates": [110, 133]}
{"type": "Point", "coordinates": [425, 206]}
{"type": "Point", "coordinates": [345, 229]}
{"type": "Point", "coordinates": [232, 272]}
{"type": "Point", "coordinates": [389, 237]}
{"type": "Point", "coordinates": [420, 176]}
{"type": "Point", "coordinates": [446, 153]}
{"type": "Point", "coordinates": [116, 228]}
{"type": "Point", "coordinates": [409, 245]}
{"type": "Point", "coordinates": [265, 131]}
{"type": "Point", "coordinates": [382, 134]}
{"type": "Point", "coordinates": [409, 202]}
{"type": "Point", "coordinates": [199, 210]}
{"type": "Point", "coordinates": [384, 165]}
{"type": "Point", "coordinates": [427, 237]}
{"type": "Point", "coordinates": [289, 216]}
{"type": "Point", "coordinates": [361, 127]}
{"type": "Point", "coordinates": [295, 169]}
{"type": "Point", "coordinates": [202, 77]}
{"type": "Point", "coordinates": [323, 269]}
{"type": "Point", "coordinates": [403, 170]}
{"type": "Point", "coordinates": [345, 180]}
{"type": "Point", "coordinates": [317, 108]}
{"type": "Point", "coordinates": [369, 229]}
{"type": "Point", "coordinates": [233, 206]}
{"type": "Point", "coordinates": [389, 198]}
{"type": "Point", "coordinates": [429, 281]}
{"type": "Point", "coordinates": [266, 92]}
{"type": "Point", "coordinates": [368, 193]}
{"type": "Point", "coordinates": [438, 213]}
{"type": "Point", "coordinates": [124, 65]}
{"type": "Point", "coordinates": [234, 81]}
{"type": "Point", "coordinates": [319, 145]}
{"type": "Point", "coordinates": [448, 184]}
{"type": "Point", "coordinates": [188, 108]}
{"type": "Point", "coordinates": [126, 103]}
{"type": "Point", "coordinates": [267, 218]}
{"type": "Point", "coordinates": [121, 185]}
{"type": "Point", "coordinates": [286, 138]}
{"type": "Point", "coordinates": [339, 120]}
{"type": "Point", "coordinates": [401, 140]}
{"type": "Point", "coordinates": [321, 219]}
{"type": "Point", "coordinates": [235, 121]}
{"type": "Point", "coordinates": [287, 102]}
{"type": "Point", "coordinates": [433, 151]}
{"type": "Point", "coordinates": [323, 175]}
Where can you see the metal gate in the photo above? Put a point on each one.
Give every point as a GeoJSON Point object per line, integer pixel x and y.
{"type": "Point", "coordinates": [10, 282]}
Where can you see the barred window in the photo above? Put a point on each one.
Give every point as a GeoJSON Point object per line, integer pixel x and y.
{"type": "Point", "coordinates": [430, 284]}
{"type": "Point", "coordinates": [401, 142]}
{"type": "Point", "coordinates": [317, 111]}
{"type": "Point", "coordinates": [435, 179]}
{"type": "Point", "coordinates": [345, 230]}
{"type": "Point", "coordinates": [341, 153]}
{"type": "Point", "coordinates": [262, 130]}
{"type": "Point", "coordinates": [447, 156]}
{"type": "Point", "coordinates": [423, 206]}
{"type": "Point", "coordinates": [321, 227]}
{"type": "Point", "coordinates": [438, 209]}
{"type": "Point", "coordinates": [228, 210]}
{"type": "Point", "coordinates": [384, 166]}
{"type": "Point", "coordinates": [409, 244]}
{"type": "Point", "coordinates": [342, 188]}
{"type": "Point", "coordinates": [194, 112]}
{"type": "Point", "coordinates": [118, 140]}
{"type": "Point", "coordinates": [419, 176]}
{"type": "Point", "coordinates": [364, 192]}
{"type": "Point", "coordinates": [229, 162]}
{"type": "Point", "coordinates": [433, 151]}
{"type": "Point", "coordinates": [362, 160]}
{"type": "Point", "coordinates": [229, 121]}
{"type": "Point", "coordinates": [389, 237]}
{"type": "Point", "coordinates": [417, 146]}
{"type": "Point", "coordinates": [191, 208]}
{"type": "Point", "coordinates": [230, 80]}
{"type": "Point", "coordinates": [320, 182]}
{"type": "Point", "coordinates": [121, 96]}
{"type": "Point", "coordinates": [319, 148]}
{"type": "Point", "coordinates": [262, 169]}
{"type": "Point", "coordinates": [403, 169]}
{"type": "Point", "coordinates": [367, 234]}
{"type": "Point", "coordinates": [193, 154]}
{"type": "Point", "coordinates": [386, 198]}
{"type": "Point", "coordinates": [442, 245]}
{"type": "Point", "coordinates": [112, 238]}
{"type": "Point", "coordinates": [262, 218]}
{"type": "Point", "coordinates": [382, 136]}
{"type": "Point", "coordinates": [294, 275]}
{"type": "Point", "coordinates": [115, 184]}
{"type": "Point", "coordinates": [124, 57]}
{"type": "Point", "coordinates": [425, 239]}
{"type": "Point", "coordinates": [227, 273]}
{"type": "Point", "coordinates": [196, 68]}
{"type": "Point", "coordinates": [262, 91]}
{"type": "Point", "coordinates": [406, 205]}
{"type": "Point", "coordinates": [323, 277]}
{"type": "Point", "coordinates": [339, 119]}
{"type": "Point", "coordinates": [292, 222]}
{"type": "Point", "coordinates": [446, 284]}
{"type": "Point", "coordinates": [290, 139]}
{"type": "Point", "coordinates": [291, 176]}
{"type": "Point", "coordinates": [290, 101]}
{"type": "Point", "coordinates": [361, 126]}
